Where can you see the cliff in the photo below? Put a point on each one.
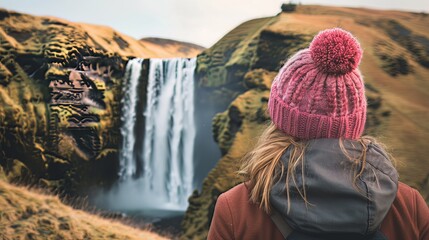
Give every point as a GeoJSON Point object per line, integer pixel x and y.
{"type": "Point", "coordinates": [241, 66]}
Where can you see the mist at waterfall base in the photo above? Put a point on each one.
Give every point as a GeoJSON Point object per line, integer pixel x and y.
{"type": "Point", "coordinates": [157, 155]}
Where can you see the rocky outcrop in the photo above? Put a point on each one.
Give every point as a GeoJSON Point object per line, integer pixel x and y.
{"type": "Point", "coordinates": [60, 99]}
{"type": "Point", "coordinates": [261, 48]}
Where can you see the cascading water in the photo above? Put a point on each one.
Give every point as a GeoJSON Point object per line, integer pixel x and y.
{"type": "Point", "coordinates": [128, 118]}
{"type": "Point", "coordinates": [166, 180]}
{"type": "Point", "coordinates": [170, 130]}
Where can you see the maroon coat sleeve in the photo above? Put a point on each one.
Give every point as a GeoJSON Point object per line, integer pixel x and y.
{"type": "Point", "coordinates": [408, 218]}
{"type": "Point", "coordinates": [221, 227]}
{"type": "Point", "coordinates": [422, 216]}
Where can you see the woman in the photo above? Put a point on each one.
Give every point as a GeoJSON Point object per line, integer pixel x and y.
{"type": "Point", "coordinates": [312, 175]}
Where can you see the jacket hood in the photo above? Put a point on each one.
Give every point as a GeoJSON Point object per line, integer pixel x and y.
{"type": "Point", "coordinates": [336, 205]}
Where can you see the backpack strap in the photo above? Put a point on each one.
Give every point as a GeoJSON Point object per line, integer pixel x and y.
{"type": "Point", "coordinates": [280, 223]}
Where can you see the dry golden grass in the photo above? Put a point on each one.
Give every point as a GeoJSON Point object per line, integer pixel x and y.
{"type": "Point", "coordinates": [25, 214]}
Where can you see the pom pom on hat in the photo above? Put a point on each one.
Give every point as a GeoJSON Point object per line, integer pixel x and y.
{"type": "Point", "coordinates": [319, 92]}
{"type": "Point", "coordinates": [335, 51]}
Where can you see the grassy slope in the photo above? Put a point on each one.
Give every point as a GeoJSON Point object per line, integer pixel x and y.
{"type": "Point", "coordinates": [25, 214]}
{"type": "Point", "coordinates": [405, 130]}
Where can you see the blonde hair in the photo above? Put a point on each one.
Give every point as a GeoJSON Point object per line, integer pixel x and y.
{"type": "Point", "coordinates": [262, 166]}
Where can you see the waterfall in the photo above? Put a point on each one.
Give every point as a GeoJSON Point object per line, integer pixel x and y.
{"type": "Point", "coordinates": [166, 180]}
{"type": "Point", "coordinates": [128, 118]}
{"type": "Point", "coordinates": [170, 129]}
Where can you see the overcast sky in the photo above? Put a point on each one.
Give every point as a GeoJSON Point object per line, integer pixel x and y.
{"type": "Point", "coordinates": [198, 21]}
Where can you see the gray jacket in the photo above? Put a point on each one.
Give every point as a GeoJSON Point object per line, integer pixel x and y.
{"type": "Point", "coordinates": [336, 205]}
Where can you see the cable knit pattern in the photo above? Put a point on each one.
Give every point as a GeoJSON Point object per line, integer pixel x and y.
{"type": "Point", "coordinates": [319, 92]}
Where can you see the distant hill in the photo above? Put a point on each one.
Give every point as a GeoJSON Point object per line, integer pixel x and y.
{"type": "Point", "coordinates": [170, 48]}
{"type": "Point", "coordinates": [237, 72]}
{"type": "Point", "coordinates": [24, 31]}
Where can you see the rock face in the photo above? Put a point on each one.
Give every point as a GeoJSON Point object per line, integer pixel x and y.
{"type": "Point", "coordinates": [60, 93]}
{"type": "Point", "coordinates": [60, 99]}
{"type": "Point", "coordinates": [243, 63]}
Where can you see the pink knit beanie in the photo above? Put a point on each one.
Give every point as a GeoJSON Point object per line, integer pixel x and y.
{"type": "Point", "coordinates": [319, 92]}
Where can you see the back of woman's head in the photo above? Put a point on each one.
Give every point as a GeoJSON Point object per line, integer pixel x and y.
{"type": "Point", "coordinates": [318, 93]}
